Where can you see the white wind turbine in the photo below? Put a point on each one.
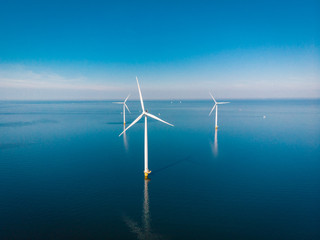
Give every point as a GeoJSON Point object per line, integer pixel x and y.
{"type": "Point", "coordinates": [124, 109]}
{"type": "Point", "coordinates": [146, 115]}
{"type": "Point", "coordinates": [216, 106]}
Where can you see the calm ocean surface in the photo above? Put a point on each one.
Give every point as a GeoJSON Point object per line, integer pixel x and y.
{"type": "Point", "coordinates": [65, 173]}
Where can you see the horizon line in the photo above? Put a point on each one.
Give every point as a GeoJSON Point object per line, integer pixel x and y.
{"type": "Point", "coordinates": [138, 100]}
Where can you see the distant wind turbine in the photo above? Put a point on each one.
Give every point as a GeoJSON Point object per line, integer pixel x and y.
{"type": "Point", "coordinates": [124, 109]}
{"type": "Point", "coordinates": [146, 115]}
{"type": "Point", "coordinates": [216, 106]}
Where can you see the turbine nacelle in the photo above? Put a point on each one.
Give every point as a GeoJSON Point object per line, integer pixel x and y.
{"type": "Point", "coordinates": [216, 107]}
{"type": "Point", "coordinates": [215, 103]}
{"type": "Point", "coordinates": [124, 103]}
{"type": "Point", "coordinates": [144, 112]}
{"type": "Point", "coordinates": [124, 108]}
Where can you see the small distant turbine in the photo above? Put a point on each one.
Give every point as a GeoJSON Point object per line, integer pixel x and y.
{"type": "Point", "coordinates": [216, 106]}
{"type": "Point", "coordinates": [146, 115]}
{"type": "Point", "coordinates": [124, 109]}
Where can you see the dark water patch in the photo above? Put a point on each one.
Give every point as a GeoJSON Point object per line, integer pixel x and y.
{"type": "Point", "coordinates": [10, 145]}
{"type": "Point", "coordinates": [116, 123]}
{"type": "Point", "coordinates": [26, 123]}
{"type": "Point", "coordinates": [4, 146]}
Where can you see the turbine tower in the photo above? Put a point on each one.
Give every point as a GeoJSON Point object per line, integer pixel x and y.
{"type": "Point", "coordinates": [124, 109]}
{"type": "Point", "coordinates": [216, 106]}
{"type": "Point", "coordinates": [146, 115]}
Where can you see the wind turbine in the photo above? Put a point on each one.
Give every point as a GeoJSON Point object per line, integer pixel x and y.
{"type": "Point", "coordinates": [124, 109]}
{"type": "Point", "coordinates": [216, 106]}
{"type": "Point", "coordinates": [146, 115]}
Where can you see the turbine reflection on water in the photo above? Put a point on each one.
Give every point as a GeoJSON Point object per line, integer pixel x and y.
{"type": "Point", "coordinates": [146, 213]}
{"type": "Point", "coordinates": [214, 144]}
{"type": "Point", "coordinates": [125, 142]}
{"type": "Point", "coordinates": [143, 232]}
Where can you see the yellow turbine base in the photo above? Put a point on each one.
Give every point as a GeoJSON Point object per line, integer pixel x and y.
{"type": "Point", "coordinates": [216, 127]}
{"type": "Point", "coordinates": [146, 173]}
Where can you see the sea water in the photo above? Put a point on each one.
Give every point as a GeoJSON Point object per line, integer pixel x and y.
{"type": "Point", "coordinates": [66, 174]}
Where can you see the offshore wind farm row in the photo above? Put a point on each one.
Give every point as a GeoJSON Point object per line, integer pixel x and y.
{"type": "Point", "coordinates": [145, 114]}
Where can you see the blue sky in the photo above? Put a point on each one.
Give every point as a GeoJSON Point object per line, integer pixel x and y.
{"type": "Point", "coordinates": [94, 49]}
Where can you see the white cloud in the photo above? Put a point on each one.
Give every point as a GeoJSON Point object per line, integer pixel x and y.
{"type": "Point", "coordinates": [34, 80]}
{"type": "Point", "coordinates": [264, 74]}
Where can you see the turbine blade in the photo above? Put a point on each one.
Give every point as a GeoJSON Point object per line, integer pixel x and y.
{"type": "Point", "coordinates": [126, 98]}
{"type": "Point", "coordinates": [141, 100]}
{"type": "Point", "coordinates": [127, 107]}
{"type": "Point", "coordinates": [222, 102]}
{"type": "Point", "coordinates": [212, 97]}
{"type": "Point", "coordinates": [137, 119]}
{"type": "Point", "coordinates": [212, 109]}
{"type": "Point", "coordinates": [118, 102]}
{"type": "Point", "coordinates": [154, 117]}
